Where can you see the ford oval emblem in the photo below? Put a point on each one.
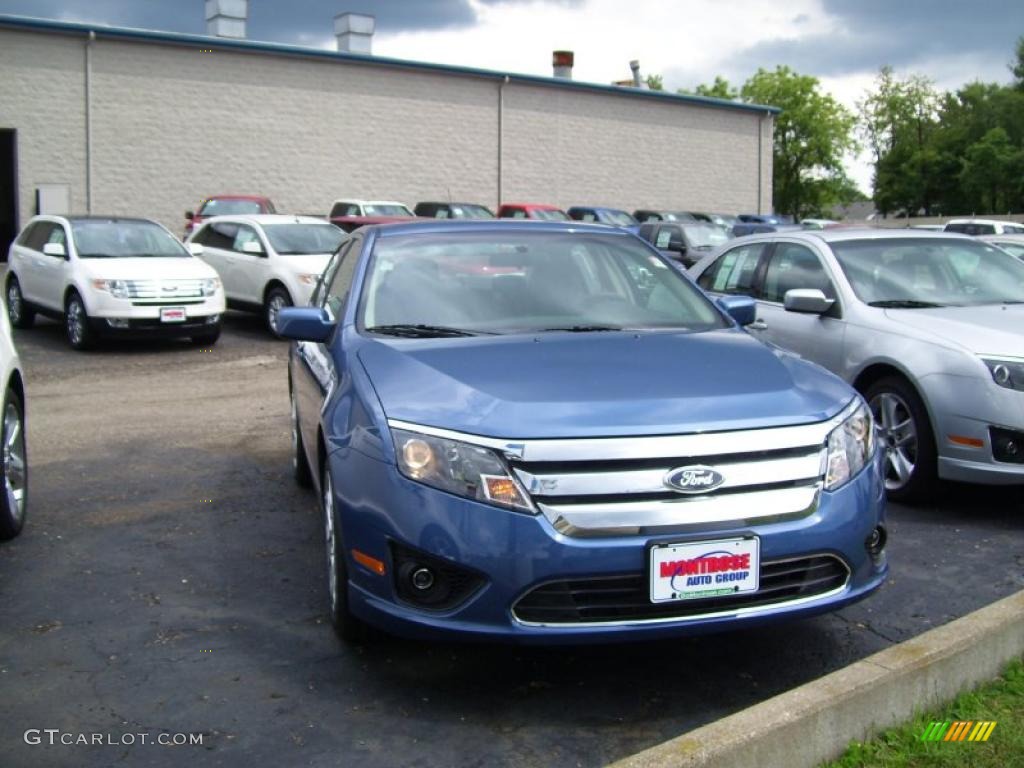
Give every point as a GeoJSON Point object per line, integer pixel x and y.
{"type": "Point", "coordinates": [696, 479]}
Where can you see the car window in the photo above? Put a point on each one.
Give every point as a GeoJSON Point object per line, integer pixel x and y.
{"type": "Point", "coordinates": [26, 235]}
{"type": "Point", "coordinates": [40, 234]}
{"type": "Point", "coordinates": [518, 213]}
{"type": "Point", "coordinates": [219, 235]}
{"type": "Point", "coordinates": [227, 207]}
{"type": "Point", "coordinates": [344, 209]}
{"type": "Point", "coordinates": [442, 213]}
{"type": "Point", "coordinates": [245, 234]}
{"type": "Point", "coordinates": [664, 237]}
{"type": "Point", "coordinates": [794, 266]}
{"type": "Point", "coordinates": [339, 282]}
{"type": "Point", "coordinates": [733, 271]}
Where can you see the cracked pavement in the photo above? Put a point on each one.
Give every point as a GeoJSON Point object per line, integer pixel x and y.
{"type": "Point", "coordinates": [169, 579]}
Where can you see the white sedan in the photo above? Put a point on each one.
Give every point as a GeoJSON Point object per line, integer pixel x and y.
{"type": "Point", "coordinates": [267, 262]}
{"type": "Point", "coordinates": [107, 276]}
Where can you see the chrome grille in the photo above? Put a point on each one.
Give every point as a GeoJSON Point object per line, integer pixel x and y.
{"type": "Point", "coordinates": [164, 291]}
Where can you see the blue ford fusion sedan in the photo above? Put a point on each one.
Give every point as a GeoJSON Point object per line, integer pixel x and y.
{"type": "Point", "coordinates": [542, 432]}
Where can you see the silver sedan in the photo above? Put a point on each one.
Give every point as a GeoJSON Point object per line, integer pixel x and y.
{"type": "Point", "coordinates": [928, 326]}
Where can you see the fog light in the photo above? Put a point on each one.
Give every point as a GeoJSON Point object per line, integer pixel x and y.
{"type": "Point", "coordinates": [422, 579]}
{"type": "Point", "coordinates": [118, 322]}
{"type": "Point", "coordinates": [875, 542]}
{"type": "Point", "coordinates": [211, 319]}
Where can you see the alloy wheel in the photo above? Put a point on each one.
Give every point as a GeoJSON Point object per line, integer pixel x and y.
{"type": "Point", "coordinates": [14, 303]}
{"type": "Point", "coordinates": [76, 322]}
{"type": "Point", "coordinates": [899, 436]}
{"type": "Point", "coordinates": [14, 461]}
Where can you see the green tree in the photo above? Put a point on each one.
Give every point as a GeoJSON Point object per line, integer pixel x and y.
{"type": "Point", "coordinates": [655, 83]}
{"type": "Point", "coordinates": [1017, 65]}
{"type": "Point", "coordinates": [991, 169]}
{"type": "Point", "coordinates": [812, 134]}
{"type": "Point", "coordinates": [720, 89]}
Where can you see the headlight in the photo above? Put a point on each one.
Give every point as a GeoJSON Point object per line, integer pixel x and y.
{"type": "Point", "coordinates": [116, 288]}
{"type": "Point", "coordinates": [308, 279]}
{"type": "Point", "coordinates": [210, 286]}
{"type": "Point", "coordinates": [850, 446]}
{"type": "Point", "coordinates": [1007, 373]}
{"type": "Point", "coordinates": [459, 468]}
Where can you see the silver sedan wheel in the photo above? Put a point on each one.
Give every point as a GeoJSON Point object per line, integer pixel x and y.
{"type": "Point", "coordinates": [14, 462]}
{"type": "Point", "coordinates": [76, 322]}
{"type": "Point", "coordinates": [899, 436]}
{"type": "Point", "coordinates": [330, 536]}
{"type": "Point", "coordinates": [14, 302]}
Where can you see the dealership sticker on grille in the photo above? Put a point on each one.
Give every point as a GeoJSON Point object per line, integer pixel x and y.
{"type": "Point", "coordinates": [699, 569]}
{"type": "Point", "coordinates": [172, 314]}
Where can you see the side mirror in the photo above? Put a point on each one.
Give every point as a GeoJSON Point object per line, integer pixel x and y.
{"type": "Point", "coordinates": [742, 309]}
{"type": "Point", "coordinates": [304, 324]}
{"type": "Point", "coordinates": [189, 215]}
{"type": "Point", "coordinates": [55, 249]}
{"type": "Point", "coordinates": [252, 246]}
{"type": "Point", "coordinates": [675, 243]}
{"type": "Point", "coordinates": [807, 300]}
{"type": "Point", "coordinates": [195, 249]}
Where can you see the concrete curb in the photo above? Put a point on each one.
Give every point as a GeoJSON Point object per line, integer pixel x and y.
{"type": "Point", "coordinates": [816, 722]}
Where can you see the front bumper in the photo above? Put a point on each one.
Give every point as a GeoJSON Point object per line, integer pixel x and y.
{"type": "Point", "coordinates": [513, 553]}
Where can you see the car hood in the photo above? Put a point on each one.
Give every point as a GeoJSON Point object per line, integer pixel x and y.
{"type": "Point", "coordinates": [147, 268]}
{"type": "Point", "coordinates": [988, 329]}
{"type": "Point", "coordinates": [598, 384]}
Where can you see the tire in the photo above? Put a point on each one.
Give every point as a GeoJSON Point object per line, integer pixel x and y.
{"type": "Point", "coordinates": [77, 325]}
{"type": "Point", "coordinates": [911, 467]}
{"type": "Point", "coordinates": [300, 464]}
{"type": "Point", "coordinates": [207, 339]}
{"type": "Point", "coordinates": [13, 467]}
{"type": "Point", "coordinates": [19, 312]}
{"type": "Point", "coordinates": [277, 299]}
{"type": "Point", "coordinates": [346, 626]}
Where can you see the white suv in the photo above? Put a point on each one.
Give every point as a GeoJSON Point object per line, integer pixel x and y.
{"type": "Point", "coordinates": [267, 261]}
{"type": "Point", "coordinates": [984, 227]}
{"type": "Point", "coordinates": [112, 277]}
{"type": "Point", "coordinates": [369, 208]}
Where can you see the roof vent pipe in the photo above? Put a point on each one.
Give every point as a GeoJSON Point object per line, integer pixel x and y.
{"type": "Point", "coordinates": [561, 62]}
{"type": "Point", "coordinates": [226, 18]}
{"type": "Point", "coordinates": [635, 66]}
{"type": "Point", "coordinates": [354, 33]}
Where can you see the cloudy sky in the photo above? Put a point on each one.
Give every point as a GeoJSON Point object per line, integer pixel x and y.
{"type": "Point", "coordinates": [842, 42]}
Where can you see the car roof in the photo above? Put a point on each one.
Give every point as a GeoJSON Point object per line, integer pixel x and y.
{"type": "Point", "coordinates": [234, 197]}
{"type": "Point", "coordinates": [983, 221]}
{"type": "Point", "coordinates": [437, 226]}
{"type": "Point", "coordinates": [355, 201]}
{"type": "Point", "coordinates": [538, 206]}
{"type": "Point", "coordinates": [841, 234]}
{"type": "Point", "coordinates": [267, 218]}
{"type": "Point", "coordinates": [1012, 237]}
{"type": "Point", "coordinates": [71, 218]}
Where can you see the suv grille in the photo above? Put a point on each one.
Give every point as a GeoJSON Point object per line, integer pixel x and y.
{"type": "Point", "coordinates": [164, 291]}
{"type": "Point", "coordinates": [626, 598]}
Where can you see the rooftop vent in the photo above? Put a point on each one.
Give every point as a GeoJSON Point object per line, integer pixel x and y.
{"type": "Point", "coordinates": [635, 66]}
{"type": "Point", "coordinates": [226, 18]}
{"type": "Point", "coordinates": [354, 32]}
{"type": "Point", "coordinates": [561, 62]}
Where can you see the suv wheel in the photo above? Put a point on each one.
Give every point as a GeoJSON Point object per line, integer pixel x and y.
{"type": "Point", "coordinates": [348, 627]}
{"type": "Point", "coordinates": [19, 312]}
{"type": "Point", "coordinates": [77, 324]}
{"type": "Point", "coordinates": [906, 434]}
{"type": "Point", "coordinates": [277, 299]}
{"type": "Point", "coordinates": [14, 466]}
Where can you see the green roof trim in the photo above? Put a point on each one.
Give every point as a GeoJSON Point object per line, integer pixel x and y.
{"type": "Point", "coordinates": [180, 39]}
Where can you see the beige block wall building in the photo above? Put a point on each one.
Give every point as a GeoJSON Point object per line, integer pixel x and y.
{"type": "Point", "coordinates": [147, 123]}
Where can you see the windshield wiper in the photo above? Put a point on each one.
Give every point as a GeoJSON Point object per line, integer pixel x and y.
{"type": "Point", "coordinates": [904, 304]}
{"type": "Point", "coordinates": [419, 330]}
{"type": "Point", "coordinates": [581, 328]}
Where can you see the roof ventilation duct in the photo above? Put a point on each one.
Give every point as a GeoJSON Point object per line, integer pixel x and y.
{"type": "Point", "coordinates": [354, 33]}
{"type": "Point", "coordinates": [561, 62]}
{"type": "Point", "coordinates": [226, 18]}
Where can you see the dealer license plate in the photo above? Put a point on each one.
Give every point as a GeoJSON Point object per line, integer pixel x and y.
{"type": "Point", "coordinates": [699, 569]}
{"type": "Point", "coordinates": [172, 314]}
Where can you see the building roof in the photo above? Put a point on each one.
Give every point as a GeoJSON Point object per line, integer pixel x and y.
{"type": "Point", "coordinates": [32, 24]}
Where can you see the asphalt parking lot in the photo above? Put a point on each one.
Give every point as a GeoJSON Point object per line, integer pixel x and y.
{"type": "Point", "coordinates": [170, 580]}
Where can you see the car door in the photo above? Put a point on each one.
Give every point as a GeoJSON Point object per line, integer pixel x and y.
{"type": "Point", "coordinates": [815, 337]}
{"type": "Point", "coordinates": [50, 269]}
{"type": "Point", "coordinates": [248, 268]}
{"type": "Point", "coordinates": [217, 239]}
{"type": "Point", "coordinates": [313, 370]}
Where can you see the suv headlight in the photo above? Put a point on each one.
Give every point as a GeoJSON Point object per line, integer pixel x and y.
{"type": "Point", "coordinates": [210, 286]}
{"type": "Point", "coordinates": [116, 288]}
{"type": "Point", "coordinates": [850, 446]}
{"type": "Point", "coordinates": [460, 468]}
{"type": "Point", "coordinates": [1006, 373]}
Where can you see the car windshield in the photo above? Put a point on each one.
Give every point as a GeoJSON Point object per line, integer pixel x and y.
{"type": "Point", "coordinates": [549, 215]}
{"type": "Point", "coordinates": [386, 209]}
{"type": "Point", "coordinates": [620, 218]}
{"type": "Point", "coordinates": [1016, 249]}
{"type": "Point", "coordinates": [705, 235]}
{"type": "Point", "coordinates": [525, 282]}
{"type": "Point", "coordinates": [228, 207]}
{"type": "Point", "coordinates": [470, 212]}
{"type": "Point", "coordinates": [911, 272]}
{"type": "Point", "coordinates": [295, 239]}
{"type": "Point", "coordinates": [124, 238]}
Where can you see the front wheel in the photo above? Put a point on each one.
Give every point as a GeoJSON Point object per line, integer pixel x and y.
{"type": "Point", "coordinates": [348, 627]}
{"type": "Point", "coordinates": [906, 433]}
{"type": "Point", "coordinates": [277, 299]}
{"type": "Point", "coordinates": [19, 312]}
{"type": "Point", "coordinates": [14, 467]}
{"type": "Point", "coordinates": [77, 325]}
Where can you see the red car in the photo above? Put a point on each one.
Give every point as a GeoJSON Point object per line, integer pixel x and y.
{"type": "Point", "coordinates": [538, 211]}
{"type": "Point", "coordinates": [227, 205]}
{"type": "Point", "coordinates": [350, 223]}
